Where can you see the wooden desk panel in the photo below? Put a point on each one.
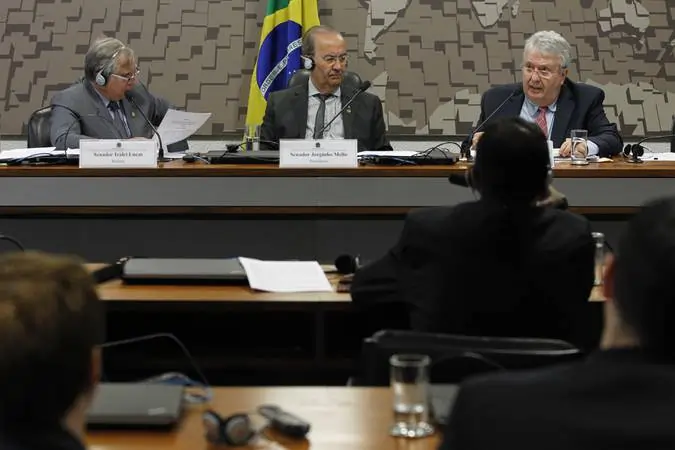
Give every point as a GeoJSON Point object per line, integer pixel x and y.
{"type": "Point", "coordinates": [341, 418]}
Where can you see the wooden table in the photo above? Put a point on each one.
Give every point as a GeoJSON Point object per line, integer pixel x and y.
{"type": "Point", "coordinates": [341, 418]}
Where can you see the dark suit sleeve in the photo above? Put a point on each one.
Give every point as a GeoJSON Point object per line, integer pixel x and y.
{"type": "Point", "coordinates": [61, 120]}
{"type": "Point", "coordinates": [458, 431]}
{"type": "Point", "coordinates": [600, 130]}
{"type": "Point", "coordinates": [378, 130]}
{"type": "Point", "coordinates": [267, 129]}
{"type": "Point", "coordinates": [159, 108]}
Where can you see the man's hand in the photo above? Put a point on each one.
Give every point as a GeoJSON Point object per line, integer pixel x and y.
{"type": "Point", "coordinates": [475, 139]}
{"type": "Point", "coordinates": [581, 149]}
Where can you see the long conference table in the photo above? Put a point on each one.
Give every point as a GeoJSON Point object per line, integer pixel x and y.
{"type": "Point", "coordinates": [341, 418]}
{"type": "Point", "coordinates": [194, 209]}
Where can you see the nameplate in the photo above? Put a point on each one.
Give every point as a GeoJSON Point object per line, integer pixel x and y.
{"type": "Point", "coordinates": [322, 153]}
{"type": "Point", "coordinates": [115, 153]}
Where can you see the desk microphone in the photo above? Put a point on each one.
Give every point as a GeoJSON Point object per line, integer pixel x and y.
{"type": "Point", "coordinates": [160, 155]}
{"type": "Point", "coordinates": [361, 89]}
{"type": "Point", "coordinates": [466, 145]}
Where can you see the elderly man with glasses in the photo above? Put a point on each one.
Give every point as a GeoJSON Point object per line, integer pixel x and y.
{"type": "Point", "coordinates": [550, 99]}
{"type": "Point", "coordinates": [106, 103]}
{"type": "Point", "coordinates": [305, 111]}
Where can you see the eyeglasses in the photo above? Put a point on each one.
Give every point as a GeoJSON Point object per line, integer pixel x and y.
{"type": "Point", "coordinates": [128, 77]}
{"type": "Point", "coordinates": [543, 72]}
{"type": "Point", "coordinates": [332, 59]}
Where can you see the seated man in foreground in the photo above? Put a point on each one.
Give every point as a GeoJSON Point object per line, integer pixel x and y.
{"type": "Point", "coordinates": [107, 101]}
{"type": "Point", "coordinates": [302, 112]}
{"type": "Point", "coordinates": [492, 267]}
{"type": "Point", "coordinates": [547, 97]}
{"type": "Point", "coordinates": [51, 322]}
{"type": "Point", "coordinates": [622, 396]}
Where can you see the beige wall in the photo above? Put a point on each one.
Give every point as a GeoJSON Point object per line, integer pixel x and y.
{"type": "Point", "coordinates": [428, 59]}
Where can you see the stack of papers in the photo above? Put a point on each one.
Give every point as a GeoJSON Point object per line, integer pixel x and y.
{"type": "Point", "coordinates": [285, 276]}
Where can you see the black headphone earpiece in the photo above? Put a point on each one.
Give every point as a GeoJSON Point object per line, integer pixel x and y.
{"type": "Point", "coordinates": [347, 264]}
{"type": "Point", "coordinates": [235, 430]}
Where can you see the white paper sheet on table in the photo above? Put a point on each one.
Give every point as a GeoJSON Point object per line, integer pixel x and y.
{"type": "Point", "coordinates": [285, 276]}
{"type": "Point", "coordinates": [179, 125]}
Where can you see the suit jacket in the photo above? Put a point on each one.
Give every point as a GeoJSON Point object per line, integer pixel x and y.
{"type": "Point", "coordinates": [37, 438]}
{"type": "Point", "coordinates": [286, 118]}
{"type": "Point", "coordinates": [580, 106]}
{"type": "Point", "coordinates": [616, 399]}
{"type": "Point", "coordinates": [472, 269]}
{"type": "Point", "coordinates": [95, 121]}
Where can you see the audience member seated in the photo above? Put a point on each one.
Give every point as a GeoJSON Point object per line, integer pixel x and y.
{"type": "Point", "coordinates": [623, 395]}
{"type": "Point", "coordinates": [497, 266]}
{"type": "Point", "coordinates": [51, 322]}
{"type": "Point", "coordinates": [102, 100]}
{"type": "Point", "coordinates": [301, 112]}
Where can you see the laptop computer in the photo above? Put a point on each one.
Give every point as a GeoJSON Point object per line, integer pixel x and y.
{"type": "Point", "coordinates": [441, 399]}
{"type": "Point", "coordinates": [135, 405]}
{"type": "Point", "coordinates": [183, 271]}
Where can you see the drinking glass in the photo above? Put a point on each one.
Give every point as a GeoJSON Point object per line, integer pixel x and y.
{"type": "Point", "coordinates": [410, 388]}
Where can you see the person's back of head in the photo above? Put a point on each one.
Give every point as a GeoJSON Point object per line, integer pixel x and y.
{"type": "Point", "coordinates": [639, 282]}
{"type": "Point", "coordinates": [512, 162]}
{"type": "Point", "coordinates": [51, 322]}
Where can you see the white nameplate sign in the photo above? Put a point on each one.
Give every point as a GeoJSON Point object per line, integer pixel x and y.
{"type": "Point", "coordinates": [315, 154]}
{"type": "Point", "coordinates": [116, 153]}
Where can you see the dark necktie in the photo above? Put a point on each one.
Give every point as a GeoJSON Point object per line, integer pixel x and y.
{"type": "Point", "coordinates": [320, 115]}
{"type": "Point", "coordinates": [118, 120]}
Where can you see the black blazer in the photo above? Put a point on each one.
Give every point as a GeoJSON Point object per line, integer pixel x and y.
{"type": "Point", "coordinates": [616, 399]}
{"type": "Point", "coordinates": [471, 270]}
{"type": "Point", "coordinates": [286, 118]}
{"type": "Point", "coordinates": [580, 106]}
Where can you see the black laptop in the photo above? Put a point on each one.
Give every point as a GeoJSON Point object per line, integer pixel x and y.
{"type": "Point", "coordinates": [135, 405]}
{"type": "Point", "coordinates": [184, 271]}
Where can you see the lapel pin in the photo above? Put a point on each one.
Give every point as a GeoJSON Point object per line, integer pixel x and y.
{"type": "Point", "coordinates": [349, 110]}
{"type": "Point", "coordinates": [133, 114]}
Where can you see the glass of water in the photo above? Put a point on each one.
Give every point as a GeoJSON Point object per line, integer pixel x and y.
{"type": "Point", "coordinates": [252, 138]}
{"type": "Point", "coordinates": [410, 386]}
{"type": "Point", "coordinates": [579, 150]}
{"type": "Point", "coordinates": [599, 239]}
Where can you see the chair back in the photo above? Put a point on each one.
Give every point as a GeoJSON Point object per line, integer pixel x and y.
{"type": "Point", "coordinates": [454, 357]}
{"type": "Point", "coordinates": [39, 128]}
{"type": "Point", "coordinates": [350, 80]}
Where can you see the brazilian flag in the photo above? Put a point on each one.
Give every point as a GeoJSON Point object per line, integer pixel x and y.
{"type": "Point", "coordinates": [279, 51]}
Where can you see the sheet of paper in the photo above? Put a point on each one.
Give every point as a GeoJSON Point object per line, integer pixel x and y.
{"type": "Point", "coordinates": [660, 156]}
{"type": "Point", "coordinates": [390, 153]}
{"type": "Point", "coordinates": [20, 153]}
{"type": "Point", "coordinates": [285, 276]}
{"type": "Point", "coordinates": [179, 125]}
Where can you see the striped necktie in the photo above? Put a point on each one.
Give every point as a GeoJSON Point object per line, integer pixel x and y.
{"type": "Point", "coordinates": [541, 120]}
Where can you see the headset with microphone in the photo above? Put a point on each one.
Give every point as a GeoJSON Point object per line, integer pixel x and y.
{"type": "Point", "coordinates": [634, 151]}
{"type": "Point", "coordinates": [307, 62]}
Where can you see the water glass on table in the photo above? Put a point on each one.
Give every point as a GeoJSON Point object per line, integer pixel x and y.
{"type": "Point", "coordinates": [579, 150]}
{"type": "Point", "coordinates": [410, 390]}
{"type": "Point", "coordinates": [252, 138]}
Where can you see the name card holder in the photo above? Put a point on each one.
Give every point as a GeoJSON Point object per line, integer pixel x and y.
{"type": "Point", "coordinates": [116, 153]}
{"type": "Point", "coordinates": [318, 154]}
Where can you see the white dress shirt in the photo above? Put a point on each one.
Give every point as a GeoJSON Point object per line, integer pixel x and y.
{"type": "Point", "coordinates": [333, 106]}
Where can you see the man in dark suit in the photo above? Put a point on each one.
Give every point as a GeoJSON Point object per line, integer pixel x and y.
{"type": "Point", "coordinates": [51, 324]}
{"type": "Point", "coordinates": [489, 267]}
{"type": "Point", "coordinates": [101, 101]}
{"type": "Point", "coordinates": [548, 98]}
{"type": "Point", "coordinates": [623, 395]}
{"type": "Point", "coordinates": [301, 112]}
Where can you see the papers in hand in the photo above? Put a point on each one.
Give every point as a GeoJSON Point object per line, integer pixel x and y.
{"type": "Point", "coordinates": [179, 125]}
{"type": "Point", "coordinates": [285, 276]}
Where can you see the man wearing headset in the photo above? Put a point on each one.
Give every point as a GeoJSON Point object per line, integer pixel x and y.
{"type": "Point", "coordinates": [301, 112]}
{"type": "Point", "coordinates": [492, 267]}
{"type": "Point", "coordinates": [99, 106]}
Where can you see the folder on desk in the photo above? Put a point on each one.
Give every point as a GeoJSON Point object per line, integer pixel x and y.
{"type": "Point", "coordinates": [184, 271]}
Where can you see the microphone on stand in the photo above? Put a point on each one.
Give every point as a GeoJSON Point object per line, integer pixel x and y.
{"type": "Point", "coordinates": [466, 145]}
{"type": "Point", "coordinates": [160, 155]}
{"type": "Point", "coordinates": [361, 89]}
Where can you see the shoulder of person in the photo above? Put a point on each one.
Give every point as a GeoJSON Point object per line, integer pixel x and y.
{"type": "Point", "coordinates": [502, 89]}
{"type": "Point", "coordinates": [582, 89]}
{"type": "Point", "coordinates": [69, 95]}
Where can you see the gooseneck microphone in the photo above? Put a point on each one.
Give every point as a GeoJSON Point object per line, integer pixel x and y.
{"type": "Point", "coordinates": [361, 89]}
{"type": "Point", "coordinates": [160, 156]}
{"type": "Point", "coordinates": [466, 145]}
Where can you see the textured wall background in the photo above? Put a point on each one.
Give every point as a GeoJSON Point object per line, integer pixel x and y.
{"type": "Point", "coordinates": [429, 60]}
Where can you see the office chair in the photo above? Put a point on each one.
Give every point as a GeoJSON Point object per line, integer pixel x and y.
{"type": "Point", "coordinates": [39, 125]}
{"type": "Point", "coordinates": [350, 81]}
{"type": "Point", "coordinates": [454, 357]}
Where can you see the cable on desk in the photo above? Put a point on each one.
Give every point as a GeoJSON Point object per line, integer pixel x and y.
{"type": "Point", "coordinates": [172, 377]}
{"type": "Point", "coordinates": [4, 237]}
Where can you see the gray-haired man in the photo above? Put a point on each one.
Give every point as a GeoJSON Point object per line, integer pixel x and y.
{"type": "Point", "coordinates": [550, 99]}
{"type": "Point", "coordinates": [101, 100]}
